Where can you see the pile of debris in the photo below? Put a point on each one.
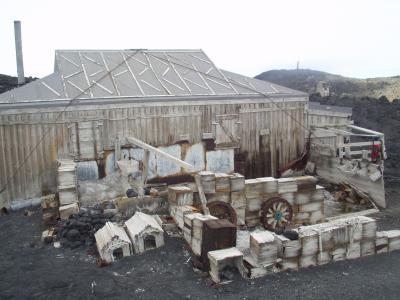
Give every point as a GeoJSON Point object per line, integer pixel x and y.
{"type": "Point", "coordinates": [79, 228]}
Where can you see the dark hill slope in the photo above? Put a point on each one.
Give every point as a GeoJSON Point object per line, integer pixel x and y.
{"type": "Point", "coordinates": [306, 80]}
{"type": "Point", "coordinates": [9, 82]}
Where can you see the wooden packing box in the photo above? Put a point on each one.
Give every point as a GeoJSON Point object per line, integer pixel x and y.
{"type": "Point", "coordinates": [306, 183]}
{"type": "Point", "coordinates": [207, 179]}
{"type": "Point", "coordinates": [367, 247]}
{"type": "Point", "coordinates": [289, 197]}
{"type": "Point", "coordinates": [311, 207]}
{"type": "Point", "coordinates": [254, 204]}
{"type": "Point", "coordinates": [237, 182]}
{"type": "Point", "coordinates": [256, 270]}
{"type": "Point", "coordinates": [306, 261]}
{"type": "Point", "coordinates": [324, 258]}
{"type": "Point", "coordinates": [287, 185]}
{"type": "Point", "coordinates": [318, 194]}
{"type": "Point", "coordinates": [301, 198]}
{"type": "Point", "coordinates": [180, 195]}
{"type": "Point", "coordinates": [238, 199]}
{"type": "Point", "coordinates": [253, 188]}
{"type": "Point", "coordinates": [219, 259]}
{"type": "Point", "coordinates": [353, 250]}
{"type": "Point", "coordinates": [393, 240]}
{"type": "Point", "coordinates": [309, 241]}
{"type": "Point", "coordinates": [270, 185]}
{"type": "Point", "coordinates": [289, 263]}
{"type": "Point", "coordinates": [67, 210]}
{"type": "Point", "coordinates": [67, 196]}
{"type": "Point", "coordinates": [339, 254]}
{"type": "Point", "coordinates": [222, 183]}
{"type": "Point", "coordinates": [263, 247]}
{"type": "Point", "coordinates": [198, 225]}
{"type": "Point", "coordinates": [381, 242]}
{"type": "Point", "coordinates": [288, 248]}
{"type": "Point", "coordinates": [217, 234]}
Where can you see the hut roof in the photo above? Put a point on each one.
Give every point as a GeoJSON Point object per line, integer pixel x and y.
{"type": "Point", "coordinates": [140, 222]}
{"type": "Point", "coordinates": [109, 232]}
{"type": "Point", "coordinates": [139, 74]}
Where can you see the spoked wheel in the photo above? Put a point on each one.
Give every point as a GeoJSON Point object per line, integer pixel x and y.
{"type": "Point", "coordinates": [222, 210]}
{"type": "Point", "coordinates": [276, 213]}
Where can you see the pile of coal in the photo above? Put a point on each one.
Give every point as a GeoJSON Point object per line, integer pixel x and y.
{"type": "Point", "coordinates": [80, 228]}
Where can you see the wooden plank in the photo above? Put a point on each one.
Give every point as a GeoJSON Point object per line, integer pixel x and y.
{"type": "Point", "coordinates": [360, 144]}
{"type": "Point", "coordinates": [201, 194]}
{"type": "Point", "coordinates": [369, 131]}
{"type": "Point", "coordinates": [355, 214]}
{"type": "Point", "coordinates": [165, 155]}
{"type": "Point", "coordinates": [146, 158]}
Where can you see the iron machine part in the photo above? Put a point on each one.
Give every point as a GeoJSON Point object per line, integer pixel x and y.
{"type": "Point", "coordinates": [276, 213]}
{"type": "Point", "coordinates": [222, 210]}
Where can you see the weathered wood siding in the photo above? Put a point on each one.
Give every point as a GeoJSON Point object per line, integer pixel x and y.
{"type": "Point", "coordinates": [269, 136]}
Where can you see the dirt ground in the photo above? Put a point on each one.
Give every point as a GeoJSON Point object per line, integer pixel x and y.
{"type": "Point", "coordinates": [31, 270]}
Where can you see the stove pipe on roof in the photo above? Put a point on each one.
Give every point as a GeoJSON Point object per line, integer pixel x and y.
{"type": "Point", "coordinates": [18, 51]}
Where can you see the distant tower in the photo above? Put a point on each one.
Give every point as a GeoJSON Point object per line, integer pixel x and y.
{"type": "Point", "coordinates": [297, 67]}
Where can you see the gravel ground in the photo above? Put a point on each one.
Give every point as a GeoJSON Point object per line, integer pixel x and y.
{"type": "Point", "coordinates": [31, 270]}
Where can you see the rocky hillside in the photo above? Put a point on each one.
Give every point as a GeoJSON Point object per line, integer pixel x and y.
{"type": "Point", "coordinates": [306, 80]}
{"type": "Point", "coordinates": [10, 82]}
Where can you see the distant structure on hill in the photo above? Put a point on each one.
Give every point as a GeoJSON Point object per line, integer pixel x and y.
{"type": "Point", "coordinates": [322, 88]}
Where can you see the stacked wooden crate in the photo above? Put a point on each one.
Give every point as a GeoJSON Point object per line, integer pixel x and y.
{"type": "Point", "coordinates": [393, 240]}
{"type": "Point", "coordinates": [340, 239]}
{"type": "Point", "coordinates": [254, 197]}
{"type": "Point", "coordinates": [220, 259]}
{"type": "Point", "coordinates": [387, 241]}
{"type": "Point", "coordinates": [289, 251]}
{"type": "Point", "coordinates": [194, 226]}
{"type": "Point", "coordinates": [222, 188]}
{"type": "Point", "coordinates": [381, 242]}
{"type": "Point", "coordinates": [180, 200]}
{"type": "Point", "coordinates": [67, 188]}
{"type": "Point", "coordinates": [308, 203]}
{"type": "Point", "coordinates": [238, 199]}
{"type": "Point", "coordinates": [180, 195]}
{"type": "Point", "coordinates": [178, 213]}
{"type": "Point", "coordinates": [263, 247]}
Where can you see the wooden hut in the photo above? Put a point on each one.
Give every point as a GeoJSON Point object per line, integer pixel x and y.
{"type": "Point", "coordinates": [177, 100]}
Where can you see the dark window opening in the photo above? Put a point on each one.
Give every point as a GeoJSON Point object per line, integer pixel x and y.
{"type": "Point", "coordinates": [149, 242]}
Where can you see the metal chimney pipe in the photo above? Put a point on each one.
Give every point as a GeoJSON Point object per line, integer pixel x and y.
{"type": "Point", "coordinates": [18, 52]}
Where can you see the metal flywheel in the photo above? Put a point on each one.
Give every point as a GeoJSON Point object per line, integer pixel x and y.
{"type": "Point", "coordinates": [276, 213]}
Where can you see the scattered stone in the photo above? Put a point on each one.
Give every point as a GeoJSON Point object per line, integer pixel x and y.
{"type": "Point", "coordinates": [28, 213]}
{"type": "Point", "coordinates": [73, 235]}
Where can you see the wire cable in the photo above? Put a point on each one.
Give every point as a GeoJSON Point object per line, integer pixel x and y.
{"type": "Point", "coordinates": [47, 132]}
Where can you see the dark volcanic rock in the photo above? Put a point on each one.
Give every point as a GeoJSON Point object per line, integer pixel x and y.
{"type": "Point", "coordinates": [73, 235]}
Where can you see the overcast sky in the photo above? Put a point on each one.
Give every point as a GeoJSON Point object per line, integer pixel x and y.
{"type": "Point", "coordinates": [352, 38]}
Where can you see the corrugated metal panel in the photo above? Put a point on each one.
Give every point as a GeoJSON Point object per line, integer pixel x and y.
{"type": "Point", "coordinates": [160, 125]}
{"type": "Point", "coordinates": [95, 74]}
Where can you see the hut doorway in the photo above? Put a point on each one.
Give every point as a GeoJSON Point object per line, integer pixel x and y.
{"type": "Point", "coordinates": [149, 242]}
{"type": "Point", "coordinates": [118, 253]}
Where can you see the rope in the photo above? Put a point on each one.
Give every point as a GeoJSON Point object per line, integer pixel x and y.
{"type": "Point", "coordinates": [47, 132]}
